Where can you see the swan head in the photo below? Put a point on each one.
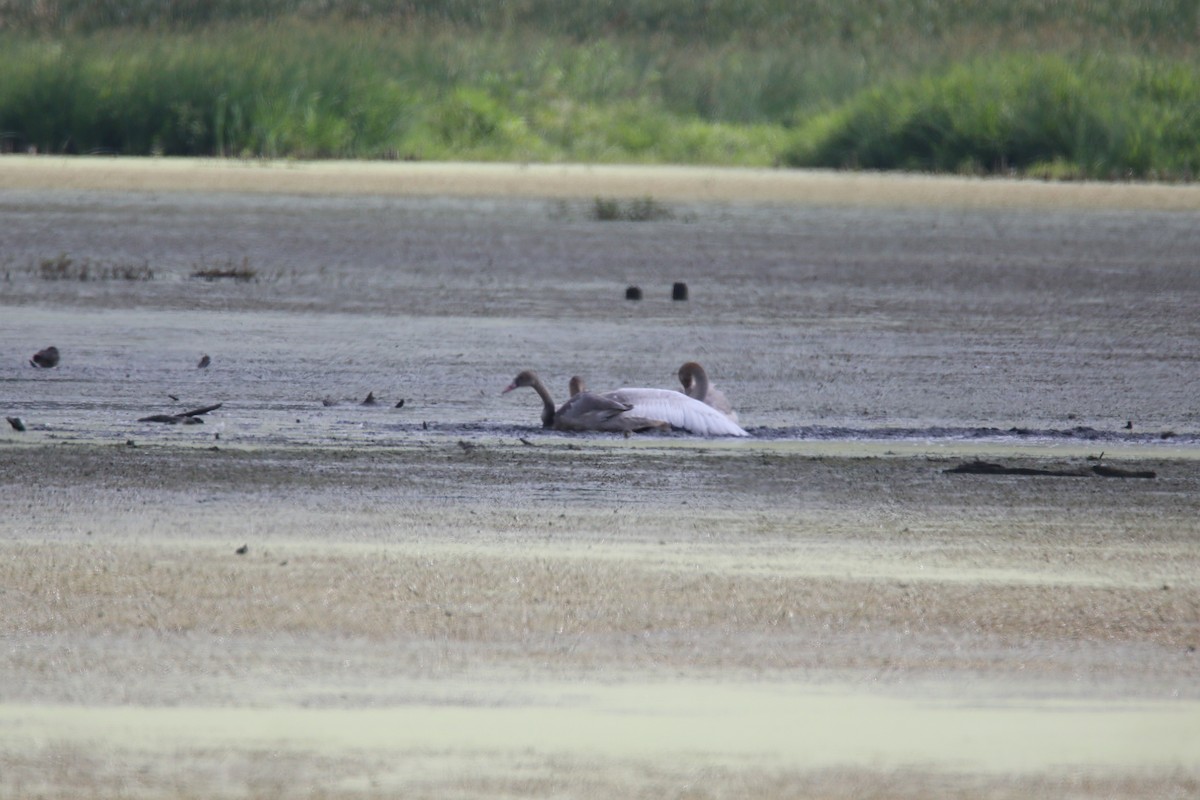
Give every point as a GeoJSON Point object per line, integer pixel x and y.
{"type": "Point", "coordinates": [524, 378]}
{"type": "Point", "coordinates": [576, 385]}
{"type": "Point", "coordinates": [529, 378]}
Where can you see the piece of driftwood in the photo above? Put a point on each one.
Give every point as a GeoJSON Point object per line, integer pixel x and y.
{"type": "Point", "coordinates": [172, 419]}
{"type": "Point", "coordinates": [195, 412]}
{"type": "Point", "coordinates": [184, 418]}
{"type": "Point", "coordinates": [1113, 472]}
{"type": "Point", "coordinates": [988, 468]}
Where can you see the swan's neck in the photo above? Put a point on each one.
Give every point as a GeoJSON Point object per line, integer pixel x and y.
{"type": "Point", "coordinates": [547, 404]}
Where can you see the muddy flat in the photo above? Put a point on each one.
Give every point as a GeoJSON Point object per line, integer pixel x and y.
{"type": "Point", "coordinates": [304, 595]}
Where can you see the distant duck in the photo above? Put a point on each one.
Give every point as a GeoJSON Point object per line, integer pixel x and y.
{"type": "Point", "coordinates": [45, 358]}
{"type": "Point", "coordinates": [627, 410]}
{"type": "Point", "coordinates": [204, 362]}
{"type": "Point", "coordinates": [696, 385]}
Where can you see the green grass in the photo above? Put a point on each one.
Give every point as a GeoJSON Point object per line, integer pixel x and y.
{"type": "Point", "coordinates": [1094, 88]}
{"type": "Point", "coordinates": [308, 91]}
{"type": "Point", "coordinates": [1044, 115]}
{"type": "Point", "coordinates": [242, 93]}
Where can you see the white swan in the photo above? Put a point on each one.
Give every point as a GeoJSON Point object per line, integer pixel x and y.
{"type": "Point", "coordinates": [679, 410]}
{"type": "Point", "coordinates": [696, 385]}
{"type": "Point", "coordinates": [628, 410]}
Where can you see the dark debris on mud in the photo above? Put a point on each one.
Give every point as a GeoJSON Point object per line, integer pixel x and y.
{"type": "Point", "coordinates": [966, 434]}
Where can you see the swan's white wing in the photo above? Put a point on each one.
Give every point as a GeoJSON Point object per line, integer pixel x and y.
{"type": "Point", "coordinates": [677, 409]}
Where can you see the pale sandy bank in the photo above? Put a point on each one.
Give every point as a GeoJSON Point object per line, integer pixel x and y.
{"type": "Point", "coordinates": [698, 184]}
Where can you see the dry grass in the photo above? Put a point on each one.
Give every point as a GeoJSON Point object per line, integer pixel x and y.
{"type": "Point", "coordinates": [240, 272]}
{"type": "Point", "coordinates": [65, 268]}
{"type": "Point", "coordinates": [643, 209]}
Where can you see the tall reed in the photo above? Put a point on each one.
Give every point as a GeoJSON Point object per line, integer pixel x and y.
{"type": "Point", "coordinates": [1094, 88]}
{"type": "Point", "coordinates": [861, 22]}
{"type": "Point", "coordinates": [1098, 117]}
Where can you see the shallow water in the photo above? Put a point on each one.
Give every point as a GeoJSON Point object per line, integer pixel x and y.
{"type": "Point", "coordinates": [820, 323]}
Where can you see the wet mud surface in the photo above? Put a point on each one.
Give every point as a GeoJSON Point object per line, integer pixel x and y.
{"type": "Point", "coordinates": [593, 617]}
{"type": "Point", "coordinates": [816, 320]}
{"type": "Point", "coordinates": [310, 597]}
